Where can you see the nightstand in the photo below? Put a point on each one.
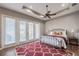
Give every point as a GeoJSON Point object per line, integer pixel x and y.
{"type": "Point", "coordinates": [73, 41]}
{"type": "Point", "coordinates": [74, 38]}
{"type": "Point", "coordinates": [77, 37]}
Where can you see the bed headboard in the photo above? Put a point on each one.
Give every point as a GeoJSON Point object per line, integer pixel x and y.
{"type": "Point", "coordinates": [58, 31]}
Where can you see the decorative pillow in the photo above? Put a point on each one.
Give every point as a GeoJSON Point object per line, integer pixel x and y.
{"type": "Point", "coordinates": [60, 33]}
{"type": "Point", "coordinates": [57, 33]}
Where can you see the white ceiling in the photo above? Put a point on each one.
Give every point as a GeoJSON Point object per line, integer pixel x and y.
{"type": "Point", "coordinates": [40, 7]}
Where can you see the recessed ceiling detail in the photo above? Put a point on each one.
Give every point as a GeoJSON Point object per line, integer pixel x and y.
{"type": "Point", "coordinates": [48, 13]}
{"type": "Point", "coordinates": [45, 11]}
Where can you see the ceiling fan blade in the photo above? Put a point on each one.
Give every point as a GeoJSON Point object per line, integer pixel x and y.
{"type": "Point", "coordinates": [59, 11]}
{"type": "Point", "coordinates": [35, 12]}
{"type": "Point", "coordinates": [48, 16]}
{"type": "Point", "coordinates": [52, 14]}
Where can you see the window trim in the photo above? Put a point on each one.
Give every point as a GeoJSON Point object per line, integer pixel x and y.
{"type": "Point", "coordinates": [3, 31]}
{"type": "Point", "coordinates": [16, 30]}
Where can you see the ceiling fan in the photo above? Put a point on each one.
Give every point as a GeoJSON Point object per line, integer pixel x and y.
{"type": "Point", "coordinates": [48, 13]}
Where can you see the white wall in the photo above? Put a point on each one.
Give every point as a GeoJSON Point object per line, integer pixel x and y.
{"type": "Point", "coordinates": [69, 22]}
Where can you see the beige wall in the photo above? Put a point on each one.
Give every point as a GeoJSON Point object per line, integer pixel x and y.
{"type": "Point", "coordinates": [19, 15]}
{"type": "Point", "coordinates": [69, 22]}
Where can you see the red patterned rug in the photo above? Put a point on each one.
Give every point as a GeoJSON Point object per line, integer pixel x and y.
{"type": "Point", "coordinates": [40, 49]}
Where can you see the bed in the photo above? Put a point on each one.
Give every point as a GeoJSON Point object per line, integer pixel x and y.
{"type": "Point", "coordinates": [56, 37]}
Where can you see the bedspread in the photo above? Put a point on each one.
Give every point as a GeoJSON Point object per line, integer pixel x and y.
{"type": "Point", "coordinates": [55, 41]}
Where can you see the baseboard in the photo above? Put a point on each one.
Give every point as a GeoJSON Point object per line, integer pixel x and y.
{"type": "Point", "coordinates": [18, 44]}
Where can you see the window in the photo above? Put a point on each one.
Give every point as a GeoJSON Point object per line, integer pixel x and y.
{"type": "Point", "coordinates": [22, 31]}
{"type": "Point", "coordinates": [31, 32]}
{"type": "Point", "coordinates": [9, 30]}
{"type": "Point", "coordinates": [19, 31]}
{"type": "Point", "coordinates": [37, 31]}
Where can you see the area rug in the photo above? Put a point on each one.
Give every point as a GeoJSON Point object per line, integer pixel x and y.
{"type": "Point", "coordinates": [41, 49]}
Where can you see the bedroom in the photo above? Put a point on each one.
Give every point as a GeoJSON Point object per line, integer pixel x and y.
{"type": "Point", "coordinates": [39, 29]}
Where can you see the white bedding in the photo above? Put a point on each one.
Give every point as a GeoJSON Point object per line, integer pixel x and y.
{"type": "Point", "coordinates": [55, 41]}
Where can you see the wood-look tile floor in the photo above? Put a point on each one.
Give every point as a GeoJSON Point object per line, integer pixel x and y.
{"type": "Point", "coordinates": [11, 51]}
{"type": "Point", "coordinates": [74, 48]}
{"type": "Point", "coordinates": [8, 52]}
